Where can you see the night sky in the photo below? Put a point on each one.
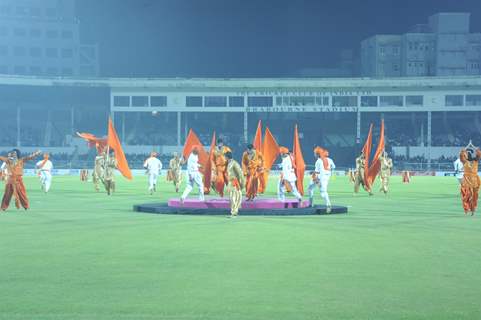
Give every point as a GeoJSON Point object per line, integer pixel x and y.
{"type": "Point", "coordinates": [243, 38]}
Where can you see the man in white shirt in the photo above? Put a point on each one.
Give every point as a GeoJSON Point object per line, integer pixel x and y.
{"type": "Point", "coordinates": [3, 172]}
{"type": "Point", "coordinates": [320, 176]}
{"type": "Point", "coordinates": [193, 175]}
{"type": "Point", "coordinates": [44, 168]}
{"type": "Point", "coordinates": [288, 176]}
{"type": "Point", "coordinates": [459, 170]}
{"type": "Point", "coordinates": [153, 166]}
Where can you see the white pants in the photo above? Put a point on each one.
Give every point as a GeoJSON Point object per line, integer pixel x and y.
{"type": "Point", "coordinates": [45, 180]}
{"type": "Point", "coordinates": [281, 191]}
{"type": "Point", "coordinates": [153, 180]}
{"type": "Point", "coordinates": [194, 178]}
{"type": "Point", "coordinates": [322, 183]}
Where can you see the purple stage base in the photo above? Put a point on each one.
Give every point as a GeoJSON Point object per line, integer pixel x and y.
{"type": "Point", "coordinates": [220, 203]}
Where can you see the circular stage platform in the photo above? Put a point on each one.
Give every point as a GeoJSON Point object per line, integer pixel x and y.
{"type": "Point", "coordinates": [220, 206]}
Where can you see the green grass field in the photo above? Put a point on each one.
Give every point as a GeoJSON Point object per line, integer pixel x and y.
{"type": "Point", "coordinates": [78, 254]}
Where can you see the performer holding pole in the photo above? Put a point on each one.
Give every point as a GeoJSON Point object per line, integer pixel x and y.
{"type": "Point", "coordinates": [109, 171]}
{"type": "Point", "coordinates": [220, 166]}
{"type": "Point", "coordinates": [45, 167]}
{"type": "Point", "coordinates": [470, 157]}
{"type": "Point", "coordinates": [153, 166]}
{"type": "Point", "coordinates": [193, 175]}
{"type": "Point", "coordinates": [14, 185]}
{"type": "Point", "coordinates": [98, 172]}
{"type": "Point", "coordinates": [386, 171]}
{"type": "Point", "coordinates": [360, 177]}
{"type": "Point", "coordinates": [320, 177]}
{"type": "Point", "coordinates": [235, 185]}
{"type": "Point", "coordinates": [288, 176]}
{"type": "Point", "coordinates": [174, 173]}
{"type": "Point", "coordinates": [253, 169]}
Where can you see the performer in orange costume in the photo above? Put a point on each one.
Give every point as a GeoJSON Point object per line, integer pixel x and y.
{"type": "Point", "coordinates": [14, 185]}
{"type": "Point", "coordinates": [469, 157]}
{"type": "Point", "coordinates": [219, 165]}
{"type": "Point", "coordinates": [253, 169]}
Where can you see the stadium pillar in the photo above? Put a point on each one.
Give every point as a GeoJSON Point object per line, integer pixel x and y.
{"type": "Point", "coordinates": [123, 126]}
{"type": "Point", "coordinates": [72, 119]}
{"type": "Point", "coordinates": [245, 127]}
{"type": "Point", "coordinates": [179, 119]}
{"type": "Point", "coordinates": [358, 126]}
{"type": "Point", "coordinates": [429, 140]}
{"type": "Point", "coordinates": [18, 126]}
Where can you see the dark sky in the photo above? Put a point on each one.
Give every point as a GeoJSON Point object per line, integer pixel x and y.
{"type": "Point", "coordinates": [243, 38]}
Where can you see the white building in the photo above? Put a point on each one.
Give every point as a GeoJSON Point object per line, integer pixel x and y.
{"type": "Point", "coordinates": [443, 47]}
{"type": "Point", "coordinates": [41, 37]}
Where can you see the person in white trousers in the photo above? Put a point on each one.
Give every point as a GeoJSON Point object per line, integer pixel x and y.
{"type": "Point", "coordinates": [153, 166]}
{"type": "Point", "coordinates": [44, 168]}
{"type": "Point", "coordinates": [193, 175]}
{"type": "Point", "coordinates": [321, 175]}
{"type": "Point", "coordinates": [459, 170]}
{"type": "Point", "coordinates": [288, 176]}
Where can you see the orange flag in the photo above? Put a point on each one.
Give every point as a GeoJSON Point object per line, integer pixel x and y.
{"type": "Point", "coordinates": [191, 141]}
{"type": "Point", "coordinates": [114, 143]}
{"type": "Point", "coordinates": [270, 151]}
{"type": "Point", "coordinates": [367, 152]}
{"type": "Point", "coordinates": [208, 166]}
{"type": "Point", "coordinates": [257, 143]}
{"type": "Point", "coordinates": [299, 164]}
{"type": "Point", "coordinates": [93, 141]}
{"type": "Point", "coordinates": [375, 166]}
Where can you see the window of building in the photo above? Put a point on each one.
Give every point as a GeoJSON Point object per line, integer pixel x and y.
{"type": "Point", "coordinates": [3, 50]}
{"type": "Point", "coordinates": [215, 101]}
{"type": "Point", "coordinates": [322, 101]}
{"type": "Point", "coordinates": [19, 32]}
{"type": "Point", "coordinates": [236, 101]}
{"type": "Point", "coordinates": [369, 101]}
{"type": "Point", "coordinates": [158, 101]}
{"type": "Point", "coordinates": [19, 70]}
{"type": "Point", "coordinates": [67, 53]}
{"type": "Point", "coordinates": [35, 52]}
{"type": "Point", "coordinates": [347, 101]}
{"type": "Point", "coordinates": [454, 100]}
{"type": "Point", "coordinates": [35, 33]}
{"type": "Point", "coordinates": [52, 34]}
{"type": "Point", "coordinates": [140, 101]}
{"type": "Point", "coordinates": [391, 101]}
{"type": "Point", "coordinates": [473, 100]}
{"type": "Point", "coordinates": [121, 101]}
{"type": "Point", "coordinates": [51, 52]}
{"type": "Point", "coordinates": [260, 101]}
{"type": "Point", "coordinates": [3, 31]}
{"type": "Point", "coordinates": [67, 71]}
{"type": "Point", "coordinates": [193, 102]}
{"type": "Point", "coordinates": [19, 51]}
{"type": "Point", "coordinates": [395, 67]}
{"type": "Point", "coordinates": [35, 12]}
{"type": "Point", "coordinates": [67, 34]}
{"type": "Point", "coordinates": [414, 101]}
{"type": "Point", "coordinates": [21, 11]}
{"type": "Point", "coordinates": [51, 12]}
{"type": "Point", "coordinates": [35, 70]}
{"type": "Point", "coordinates": [52, 71]}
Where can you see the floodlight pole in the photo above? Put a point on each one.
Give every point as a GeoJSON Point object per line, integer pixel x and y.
{"type": "Point", "coordinates": [179, 120]}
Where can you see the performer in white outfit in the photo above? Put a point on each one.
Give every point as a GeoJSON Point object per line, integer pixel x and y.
{"type": "Point", "coordinates": [321, 175]}
{"type": "Point", "coordinates": [193, 175]}
{"type": "Point", "coordinates": [44, 168]}
{"type": "Point", "coordinates": [3, 172]}
{"type": "Point", "coordinates": [153, 166]}
{"type": "Point", "coordinates": [459, 170]}
{"type": "Point", "coordinates": [288, 176]}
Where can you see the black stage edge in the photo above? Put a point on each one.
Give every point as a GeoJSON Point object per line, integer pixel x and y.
{"type": "Point", "coordinates": [163, 208]}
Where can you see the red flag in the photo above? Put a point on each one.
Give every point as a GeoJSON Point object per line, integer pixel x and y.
{"type": "Point", "coordinates": [114, 143]}
{"type": "Point", "coordinates": [257, 143]}
{"type": "Point", "coordinates": [208, 166]}
{"type": "Point", "coordinates": [367, 152]}
{"type": "Point", "coordinates": [270, 151]}
{"type": "Point", "coordinates": [191, 141]}
{"type": "Point", "coordinates": [299, 164]}
{"type": "Point", "coordinates": [375, 166]}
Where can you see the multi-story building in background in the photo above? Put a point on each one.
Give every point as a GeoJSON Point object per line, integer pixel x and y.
{"type": "Point", "coordinates": [41, 37]}
{"type": "Point", "coordinates": [443, 47]}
